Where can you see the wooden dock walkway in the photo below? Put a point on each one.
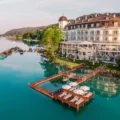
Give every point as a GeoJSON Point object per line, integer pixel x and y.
{"type": "Point", "coordinates": [90, 75]}
{"type": "Point", "coordinates": [55, 95]}
{"type": "Point", "coordinates": [42, 90]}
{"type": "Point", "coordinates": [56, 76]}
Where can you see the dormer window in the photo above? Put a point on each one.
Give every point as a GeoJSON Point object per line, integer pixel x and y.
{"type": "Point", "coordinates": [92, 25]}
{"type": "Point", "coordinates": [98, 24]}
{"type": "Point", "coordinates": [78, 26]}
{"type": "Point", "coordinates": [86, 26]}
{"type": "Point", "coordinates": [115, 24]}
{"type": "Point", "coordinates": [107, 18]}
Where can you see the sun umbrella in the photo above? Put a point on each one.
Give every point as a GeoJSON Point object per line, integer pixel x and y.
{"type": "Point", "coordinates": [78, 91]}
{"type": "Point", "coordinates": [85, 88]}
{"type": "Point", "coordinates": [66, 87]}
{"type": "Point", "coordinates": [73, 84]}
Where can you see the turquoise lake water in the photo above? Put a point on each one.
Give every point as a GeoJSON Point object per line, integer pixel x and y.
{"type": "Point", "coordinates": [19, 102]}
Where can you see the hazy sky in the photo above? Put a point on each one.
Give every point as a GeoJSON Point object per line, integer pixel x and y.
{"type": "Point", "coordinates": [25, 13]}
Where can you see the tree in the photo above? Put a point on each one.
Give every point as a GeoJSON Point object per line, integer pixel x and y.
{"type": "Point", "coordinates": [26, 36]}
{"type": "Point", "coordinates": [118, 64]}
{"type": "Point", "coordinates": [51, 39]}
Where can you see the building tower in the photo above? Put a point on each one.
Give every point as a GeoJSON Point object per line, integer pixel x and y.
{"type": "Point", "coordinates": [63, 22]}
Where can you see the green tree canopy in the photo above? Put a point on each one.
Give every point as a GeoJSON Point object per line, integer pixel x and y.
{"type": "Point", "coordinates": [51, 39]}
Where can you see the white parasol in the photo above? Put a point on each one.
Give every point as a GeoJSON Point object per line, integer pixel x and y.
{"type": "Point", "coordinates": [73, 84]}
{"type": "Point", "coordinates": [85, 88]}
{"type": "Point", "coordinates": [66, 87]}
{"type": "Point", "coordinates": [78, 91]}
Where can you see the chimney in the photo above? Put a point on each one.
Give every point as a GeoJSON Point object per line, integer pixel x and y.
{"type": "Point", "coordinates": [96, 15]}
{"type": "Point", "coordinates": [114, 15]}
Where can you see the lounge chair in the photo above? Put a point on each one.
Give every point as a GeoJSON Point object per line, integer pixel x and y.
{"type": "Point", "coordinates": [88, 95]}
{"type": "Point", "coordinates": [79, 101]}
{"type": "Point", "coordinates": [67, 96]}
{"type": "Point", "coordinates": [72, 88]}
{"type": "Point", "coordinates": [63, 94]}
{"type": "Point", "coordinates": [74, 99]}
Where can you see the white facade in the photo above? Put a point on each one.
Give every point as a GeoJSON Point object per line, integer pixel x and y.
{"type": "Point", "coordinates": [62, 24]}
{"type": "Point", "coordinates": [98, 43]}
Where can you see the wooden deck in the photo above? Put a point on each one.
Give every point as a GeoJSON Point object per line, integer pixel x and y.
{"type": "Point", "coordinates": [68, 101]}
{"type": "Point", "coordinates": [56, 76]}
{"type": "Point", "coordinates": [79, 80]}
{"type": "Point", "coordinates": [42, 90]}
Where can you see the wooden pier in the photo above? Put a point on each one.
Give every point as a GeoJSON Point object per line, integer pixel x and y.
{"type": "Point", "coordinates": [36, 86]}
{"type": "Point", "coordinates": [69, 101]}
{"type": "Point", "coordinates": [10, 51]}
{"type": "Point", "coordinates": [55, 95]}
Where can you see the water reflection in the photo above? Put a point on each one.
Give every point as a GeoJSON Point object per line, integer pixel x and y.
{"type": "Point", "coordinates": [105, 85]}
{"type": "Point", "coordinates": [49, 68]}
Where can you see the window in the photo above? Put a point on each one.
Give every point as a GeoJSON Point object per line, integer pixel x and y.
{"type": "Point", "coordinates": [78, 37]}
{"type": "Point", "coordinates": [74, 26]}
{"type": "Point", "coordinates": [97, 38]}
{"type": "Point", "coordinates": [71, 27]}
{"type": "Point", "coordinates": [82, 26]}
{"type": "Point", "coordinates": [92, 25]}
{"type": "Point", "coordinates": [115, 38]}
{"type": "Point", "coordinates": [98, 32]}
{"type": "Point", "coordinates": [106, 32]}
{"type": "Point", "coordinates": [92, 32]}
{"type": "Point", "coordinates": [78, 26]}
{"type": "Point", "coordinates": [115, 24]}
{"type": "Point", "coordinates": [86, 26]}
{"type": "Point", "coordinates": [92, 38]}
{"type": "Point", "coordinates": [81, 38]}
{"type": "Point", "coordinates": [86, 32]}
{"type": "Point", "coordinates": [78, 32]}
{"type": "Point", "coordinates": [115, 32]}
{"type": "Point", "coordinates": [82, 32]}
{"type": "Point", "coordinates": [86, 38]}
{"type": "Point", "coordinates": [98, 25]}
{"type": "Point", "coordinates": [106, 39]}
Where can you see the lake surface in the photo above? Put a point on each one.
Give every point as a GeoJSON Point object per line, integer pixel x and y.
{"type": "Point", "coordinates": [20, 102]}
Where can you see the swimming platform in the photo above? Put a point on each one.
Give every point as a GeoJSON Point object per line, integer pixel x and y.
{"type": "Point", "coordinates": [67, 96]}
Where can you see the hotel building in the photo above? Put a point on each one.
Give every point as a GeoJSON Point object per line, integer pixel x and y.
{"type": "Point", "coordinates": [94, 37]}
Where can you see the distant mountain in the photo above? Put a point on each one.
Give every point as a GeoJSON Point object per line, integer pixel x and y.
{"type": "Point", "coordinates": [24, 30]}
